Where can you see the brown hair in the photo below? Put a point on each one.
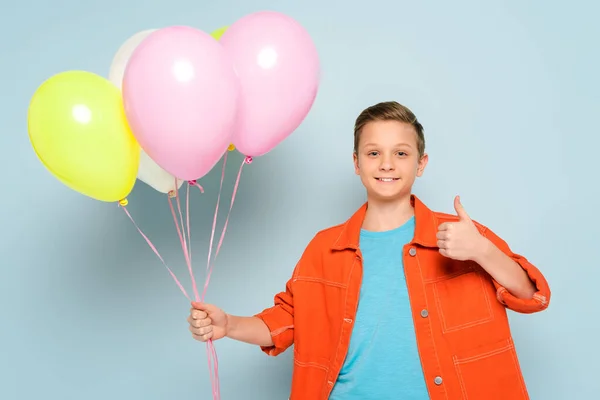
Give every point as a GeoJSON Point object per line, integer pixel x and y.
{"type": "Point", "coordinates": [389, 111]}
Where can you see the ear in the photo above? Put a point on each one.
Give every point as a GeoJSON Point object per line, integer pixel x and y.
{"type": "Point", "coordinates": [422, 164]}
{"type": "Point", "coordinates": [355, 159]}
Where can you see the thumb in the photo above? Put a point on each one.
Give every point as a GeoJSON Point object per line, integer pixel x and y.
{"type": "Point", "coordinates": [207, 308]}
{"type": "Point", "coordinates": [460, 210]}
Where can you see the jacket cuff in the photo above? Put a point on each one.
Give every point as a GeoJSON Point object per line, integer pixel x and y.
{"type": "Point", "coordinates": [540, 299]}
{"type": "Point", "coordinates": [280, 324]}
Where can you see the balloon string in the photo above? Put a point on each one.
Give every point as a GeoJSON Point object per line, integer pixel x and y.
{"type": "Point", "coordinates": [184, 247]}
{"type": "Point", "coordinates": [186, 242]}
{"type": "Point", "coordinates": [210, 348]}
{"type": "Point", "coordinates": [247, 160]}
{"type": "Point", "coordinates": [187, 213]}
{"type": "Point", "coordinates": [212, 235]}
{"type": "Point", "coordinates": [213, 360]}
{"type": "Point", "coordinates": [187, 217]}
{"type": "Point", "coordinates": [213, 367]}
{"type": "Point", "coordinates": [211, 352]}
{"type": "Point", "coordinates": [153, 248]}
{"type": "Point", "coordinates": [194, 183]}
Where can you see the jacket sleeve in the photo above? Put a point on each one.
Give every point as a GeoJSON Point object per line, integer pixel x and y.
{"type": "Point", "coordinates": [541, 298]}
{"type": "Point", "coordinates": [280, 320]}
{"type": "Point", "coordinates": [280, 317]}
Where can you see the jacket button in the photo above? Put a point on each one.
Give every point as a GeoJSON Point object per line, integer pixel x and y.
{"type": "Point", "coordinates": [438, 380]}
{"type": "Point", "coordinates": [412, 251]}
{"type": "Point", "coordinates": [348, 320]}
{"type": "Point", "coordinates": [424, 313]}
{"type": "Point", "coordinates": [330, 383]}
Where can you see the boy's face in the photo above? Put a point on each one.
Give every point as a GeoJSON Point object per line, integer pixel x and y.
{"type": "Point", "coordinates": [387, 159]}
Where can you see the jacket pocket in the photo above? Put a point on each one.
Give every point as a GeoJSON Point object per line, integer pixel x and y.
{"type": "Point", "coordinates": [490, 372]}
{"type": "Point", "coordinates": [463, 300]}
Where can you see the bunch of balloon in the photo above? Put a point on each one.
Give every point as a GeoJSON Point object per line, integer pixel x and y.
{"type": "Point", "coordinates": [177, 100]}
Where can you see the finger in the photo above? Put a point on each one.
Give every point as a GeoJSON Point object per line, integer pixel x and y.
{"type": "Point", "coordinates": [444, 252]}
{"type": "Point", "coordinates": [446, 226]}
{"type": "Point", "coordinates": [442, 244]}
{"type": "Point", "coordinates": [196, 305]}
{"type": "Point", "coordinates": [208, 308]}
{"type": "Point", "coordinates": [201, 331]}
{"type": "Point", "coordinates": [460, 210]}
{"type": "Point", "coordinates": [203, 338]}
{"type": "Point", "coordinates": [443, 235]}
{"type": "Point", "coordinates": [198, 314]}
{"type": "Point", "coordinates": [199, 323]}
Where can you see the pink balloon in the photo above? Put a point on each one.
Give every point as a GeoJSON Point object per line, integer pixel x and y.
{"type": "Point", "coordinates": [278, 66]}
{"type": "Point", "coordinates": [181, 96]}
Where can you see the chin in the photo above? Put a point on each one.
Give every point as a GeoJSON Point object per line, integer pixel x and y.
{"type": "Point", "coordinates": [386, 196]}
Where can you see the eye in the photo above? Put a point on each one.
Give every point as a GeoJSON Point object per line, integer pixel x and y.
{"type": "Point", "coordinates": [402, 154]}
{"type": "Point", "coordinates": [372, 153]}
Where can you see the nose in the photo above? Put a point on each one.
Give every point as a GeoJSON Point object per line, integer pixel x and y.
{"type": "Point", "coordinates": [386, 164]}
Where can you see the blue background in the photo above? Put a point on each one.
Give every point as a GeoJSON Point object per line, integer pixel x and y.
{"type": "Point", "coordinates": [507, 92]}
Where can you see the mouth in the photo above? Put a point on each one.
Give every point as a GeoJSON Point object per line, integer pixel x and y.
{"type": "Point", "coordinates": [387, 179]}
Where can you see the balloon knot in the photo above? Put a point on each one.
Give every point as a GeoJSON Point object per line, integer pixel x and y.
{"type": "Point", "coordinates": [248, 160]}
{"type": "Point", "coordinates": [231, 147]}
{"type": "Point", "coordinates": [123, 202]}
{"type": "Point", "coordinates": [172, 194]}
{"type": "Point", "coordinates": [192, 182]}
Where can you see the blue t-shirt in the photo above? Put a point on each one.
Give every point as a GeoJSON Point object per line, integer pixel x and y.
{"type": "Point", "coordinates": [383, 361]}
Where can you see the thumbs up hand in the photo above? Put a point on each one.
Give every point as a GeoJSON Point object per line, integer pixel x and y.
{"type": "Point", "coordinates": [459, 240]}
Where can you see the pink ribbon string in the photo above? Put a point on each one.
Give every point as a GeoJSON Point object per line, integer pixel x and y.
{"type": "Point", "coordinates": [213, 360]}
{"type": "Point", "coordinates": [212, 235]}
{"type": "Point", "coordinates": [187, 211]}
{"type": "Point", "coordinates": [210, 266]}
{"type": "Point", "coordinates": [184, 246]}
{"type": "Point", "coordinates": [184, 234]}
{"type": "Point", "coordinates": [153, 248]}
{"type": "Point", "coordinates": [185, 241]}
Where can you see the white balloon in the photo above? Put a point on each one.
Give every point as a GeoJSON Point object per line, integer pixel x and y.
{"type": "Point", "coordinates": [149, 171]}
{"type": "Point", "coordinates": [121, 58]}
{"type": "Point", "coordinates": [152, 174]}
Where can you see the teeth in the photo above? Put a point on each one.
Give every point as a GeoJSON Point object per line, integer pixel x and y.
{"type": "Point", "coordinates": [386, 179]}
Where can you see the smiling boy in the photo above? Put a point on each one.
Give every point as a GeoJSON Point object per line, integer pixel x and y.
{"type": "Point", "coordinates": [398, 302]}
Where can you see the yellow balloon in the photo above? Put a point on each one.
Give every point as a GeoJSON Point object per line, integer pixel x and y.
{"type": "Point", "coordinates": [219, 32]}
{"type": "Point", "coordinates": [79, 131]}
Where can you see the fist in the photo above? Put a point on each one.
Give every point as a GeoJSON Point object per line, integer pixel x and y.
{"type": "Point", "coordinates": [459, 240]}
{"type": "Point", "coordinates": [207, 322]}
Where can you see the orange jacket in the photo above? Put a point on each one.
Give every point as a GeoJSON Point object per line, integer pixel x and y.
{"type": "Point", "coordinates": [459, 312]}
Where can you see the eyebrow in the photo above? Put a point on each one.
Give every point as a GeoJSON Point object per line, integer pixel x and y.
{"type": "Point", "coordinates": [396, 145]}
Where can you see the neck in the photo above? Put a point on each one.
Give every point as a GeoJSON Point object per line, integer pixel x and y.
{"type": "Point", "coordinates": [387, 215]}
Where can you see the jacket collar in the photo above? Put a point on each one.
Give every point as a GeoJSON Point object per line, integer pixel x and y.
{"type": "Point", "coordinates": [425, 227]}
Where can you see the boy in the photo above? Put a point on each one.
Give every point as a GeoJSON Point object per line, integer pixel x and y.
{"type": "Point", "coordinates": [399, 302]}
